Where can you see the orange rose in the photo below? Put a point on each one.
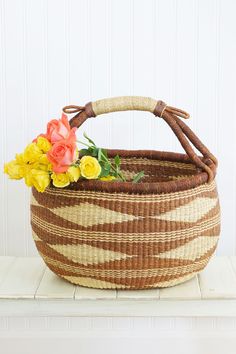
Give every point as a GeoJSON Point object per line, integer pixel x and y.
{"type": "Point", "coordinates": [60, 130]}
{"type": "Point", "coordinates": [62, 155]}
{"type": "Point", "coordinates": [40, 135]}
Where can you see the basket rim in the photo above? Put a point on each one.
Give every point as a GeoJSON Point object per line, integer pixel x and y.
{"type": "Point", "coordinates": [144, 187]}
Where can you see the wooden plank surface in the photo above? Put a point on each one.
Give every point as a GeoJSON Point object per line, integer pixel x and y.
{"type": "Point", "coordinates": [218, 280]}
{"type": "Point", "coordinates": [233, 262]}
{"type": "Point", "coordinates": [189, 290]}
{"type": "Point", "coordinates": [151, 294]}
{"type": "Point", "coordinates": [54, 287]}
{"type": "Point", "coordinates": [82, 293]}
{"type": "Point", "coordinates": [28, 278]}
{"type": "Point", "coordinates": [119, 308]}
{"type": "Point", "coordinates": [5, 264]}
{"type": "Point", "coordinates": [22, 278]}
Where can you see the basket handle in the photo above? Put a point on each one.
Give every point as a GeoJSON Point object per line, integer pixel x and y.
{"type": "Point", "coordinates": [170, 114]}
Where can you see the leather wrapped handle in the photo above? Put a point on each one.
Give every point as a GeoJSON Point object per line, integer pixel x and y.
{"type": "Point", "coordinates": [170, 114]}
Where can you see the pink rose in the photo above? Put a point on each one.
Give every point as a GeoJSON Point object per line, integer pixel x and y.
{"type": "Point", "coordinates": [59, 129]}
{"type": "Point", "coordinates": [62, 154]}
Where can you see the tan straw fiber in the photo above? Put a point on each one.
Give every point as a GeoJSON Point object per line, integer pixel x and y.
{"type": "Point", "coordinates": [125, 103]}
{"type": "Point", "coordinates": [159, 232]}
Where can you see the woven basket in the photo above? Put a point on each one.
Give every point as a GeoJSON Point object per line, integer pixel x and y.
{"type": "Point", "coordinates": [120, 235]}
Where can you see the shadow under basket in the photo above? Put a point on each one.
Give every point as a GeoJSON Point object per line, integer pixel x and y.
{"type": "Point", "coordinates": [120, 235]}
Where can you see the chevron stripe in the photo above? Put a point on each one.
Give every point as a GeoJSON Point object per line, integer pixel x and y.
{"type": "Point", "coordinates": [190, 212]}
{"type": "Point", "coordinates": [126, 282]}
{"type": "Point", "coordinates": [193, 249]}
{"type": "Point", "coordinates": [149, 246]}
{"type": "Point", "coordinates": [35, 236]}
{"type": "Point", "coordinates": [33, 201]}
{"type": "Point", "coordinates": [196, 229]}
{"type": "Point", "coordinates": [165, 271]}
{"type": "Point", "coordinates": [86, 214]}
{"type": "Point", "coordinates": [134, 262]}
{"type": "Point", "coordinates": [85, 254]}
{"type": "Point", "coordinates": [92, 283]}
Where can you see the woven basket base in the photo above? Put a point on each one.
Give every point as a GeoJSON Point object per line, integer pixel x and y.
{"type": "Point", "coordinates": [131, 284]}
{"type": "Point", "coordinates": [90, 283]}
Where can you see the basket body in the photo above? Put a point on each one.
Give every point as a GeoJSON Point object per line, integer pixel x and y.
{"type": "Point", "coordinates": [114, 239]}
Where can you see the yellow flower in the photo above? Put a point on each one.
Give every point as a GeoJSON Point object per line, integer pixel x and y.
{"type": "Point", "coordinates": [14, 170]}
{"type": "Point", "coordinates": [32, 153]}
{"type": "Point", "coordinates": [43, 159]}
{"type": "Point", "coordinates": [24, 166]}
{"type": "Point", "coordinates": [60, 179]}
{"type": "Point", "coordinates": [21, 168]}
{"type": "Point", "coordinates": [44, 164]}
{"type": "Point", "coordinates": [73, 173]}
{"type": "Point", "coordinates": [20, 159]}
{"type": "Point", "coordinates": [39, 179]}
{"type": "Point", "coordinates": [43, 144]}
{"type": "Point", "coordinates": [28, 177]}
{"type": "Point", "coordinates": [90, 167]}
{"type": "Point", "coordinates": [108, 178]}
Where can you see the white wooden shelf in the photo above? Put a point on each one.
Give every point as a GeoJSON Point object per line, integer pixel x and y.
{"type": "Point", "coordinates": [29, 288]}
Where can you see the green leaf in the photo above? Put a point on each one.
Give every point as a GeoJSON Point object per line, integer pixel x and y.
{"type": "Point", "coordinates": [105, 169]}
{"type": "Point", "coordinates": [90, 140]}
{"type": "Point", "coordinates": [104, 151]}
{"type": "Point", "coordinates": [84, 152]}
{"type": "Point", "coordinates": [94, 152]}
{"type": "Point", "coordinates": [104, 173]}
{"type": "Point", "coordinates": [138, 176]}
{"type": "Point", "coordinates": [91, 151]}
{"type": "Point", "coordinates": [102, 155]}
{"type": "Point", "coordinates": [117, 160]}
{"type": "Point", "coordinates": [105, 165]}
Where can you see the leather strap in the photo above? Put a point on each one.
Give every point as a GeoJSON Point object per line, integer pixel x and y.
{"type": "Point", "coordinates": [169, 114]}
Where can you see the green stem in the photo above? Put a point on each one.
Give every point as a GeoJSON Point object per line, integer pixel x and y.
{"type": "Point", "coordinates": [119, 174]}
{"type": "Point", "coordinates": [113, 168]}
{"type": "Point", "coordinates": [81, 142]}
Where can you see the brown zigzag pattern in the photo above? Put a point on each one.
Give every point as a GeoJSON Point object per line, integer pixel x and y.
{"type": "Point", "coordinates": [128, 241]}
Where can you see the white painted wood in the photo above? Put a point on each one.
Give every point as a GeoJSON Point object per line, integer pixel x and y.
{"type": "Point", "coordinates": [117, 308]}
{"type": "Point", "coordinates": [138, 294]}
{"type": "Point", "coordinates": [233, 262]}
{"type": "Point", "coordinates": [27, 279]}
{"type": "Point", "coordinates": [218, 280]}
{"type": "Point", "coordinates": [83, 293]}
{"type": "Point", "coordinates": [5, 263]}
{"type": "Point", "coordinates": [54, 287]}
{"type": "Point", "coordinates": [23, 278]}
{"type": "Point", "coordinates": [187, 291]}
{"type": "Point", "coordinates": [90, 341]}
{"type": "Point", "coordinates": [133, 324]}
{"type": "Point", "coordinates": [114, 59]}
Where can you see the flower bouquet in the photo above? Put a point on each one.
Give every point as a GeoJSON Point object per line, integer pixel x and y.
{"type": "Point", "coordinates": [55, 158]}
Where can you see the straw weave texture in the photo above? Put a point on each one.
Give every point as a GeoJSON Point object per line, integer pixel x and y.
{"type": "Point", "coordinates": [128, 240]}
{"type": "Point", "coordinates": [124, 103]}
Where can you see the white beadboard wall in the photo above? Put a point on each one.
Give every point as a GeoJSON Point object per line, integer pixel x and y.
{"type": "Point", "coordinates": [105, 335]}
{"type": "Point", "coordinates": [58, 52]}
